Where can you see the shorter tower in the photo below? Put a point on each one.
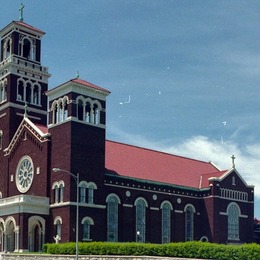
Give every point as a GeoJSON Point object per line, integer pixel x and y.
{"type": "Point", "coordinates": [77, 125]}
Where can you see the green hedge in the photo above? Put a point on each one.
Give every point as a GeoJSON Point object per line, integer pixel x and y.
{"type": "Point", "coordinates": [192, 249]}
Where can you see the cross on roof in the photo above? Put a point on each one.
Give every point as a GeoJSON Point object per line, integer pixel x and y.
{"type": "Point", "coordinates": [21, 12]}
{"type": "Point", "coordinates": [233, 160]}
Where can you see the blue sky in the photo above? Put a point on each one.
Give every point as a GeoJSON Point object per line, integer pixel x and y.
{"type": "Point", "coordinates": [184, 75]}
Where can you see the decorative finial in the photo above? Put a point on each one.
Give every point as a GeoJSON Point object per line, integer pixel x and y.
{"type": "Point", "coordinates": [25, 110]}
{"type": "Point", "coordinates": [21, 12]}
{"type": "Point", "coordinates": [77, 75]}
{"type": "Point", "coordinates": [233, 160]}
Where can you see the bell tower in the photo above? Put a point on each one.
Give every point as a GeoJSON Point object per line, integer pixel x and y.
{"type": "Point", "coordinates": [23, 80]}
{"type": "Point", "coordinates": [23, 83]}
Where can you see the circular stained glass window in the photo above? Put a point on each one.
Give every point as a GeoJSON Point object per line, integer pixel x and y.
{"type": "Point", "coordinates": [24, 174]}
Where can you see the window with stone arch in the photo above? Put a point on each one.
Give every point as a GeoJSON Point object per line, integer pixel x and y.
{"type": "Point", "coordinates": [59, 110]}
{"type": "Point", "coordinates": [166, 209]}
{"type": "Point", "coordinates": [27, 48]}
{"type": "Point", "coordinates": [112, 217]}
{"type": "Point", "coordinates": [36, 94]}
{"type": "Point", "coordinates": [3, 91]}
{"type": "Point", "coordinates": [140, 219]}
{"type": "Point", "coordinates": [82, 190]}
{"type": "Point", "coordinates": [233, 212]}
{"type": "Point", "coordinates": [58, 188]}
{"type": "Point", "coordinates": [28, 92]}
{"type": "Point", "coordinates": [57, 223]}
{"type": "Point", "coordinates": [87, 222]}
{"type": "Point", "coordinates": [7, 48]}
{"type": "Point", "coordinates": [88, 110]}
{"type": "Point", "coordinates": [91, 187]}
{"type": "Point", "coordinates": [96, 112]}
{"type": "Point", "coordinates": [189, 222]}
{"type": "Point", "coordinates": [80, 108]}
{"type": "Point", "coordinates": [21, 90]}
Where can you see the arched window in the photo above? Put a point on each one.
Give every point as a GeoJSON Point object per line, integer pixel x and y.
{"type": "Point", "coordinates": [28, 92]}
{"type": "Point", "coordinates": [57, 223]}
{"type": "Point", "coordinates": [26, 49]}
{"type": "Point", "coordinates": [20, 90]}
{"type": "Point", "coordinates": [56, 195]}
{"type": "Point", "coordinates": [140, 219]}
{"type": "Point", "coordinates": [3, 93]}
{"type": "Point", "coordinates": [58, 188]}
{"type": "Point", "coordinates": [80, 109]}
{"type": "Point", "coordinates": [36, 94]}
{"type": "Point", "coordinates": [65, 108]}
{"type": "Point", "coordinates": [233, 211]}
{"type": "Point", "coordinates": [87, 222]}
{"type": "Point", "coordinates": [112, 218]}
{"type": "Point", "coordinates": [82, 189]}
{"type": "Point", "coordinates": [95, 114]}
{"type": "Point", "coordinates": [189, 222]}
{"type": "Point", "coordinates": [7, 48]}
{"type": "Point", "coordinates": [88, 112]}
{"type": "Point", "coordinates": [90, 194]}
{"type": "Point", "coordinates": [166, 222]}
{"type": "Point", "coordinates": [61, 192]}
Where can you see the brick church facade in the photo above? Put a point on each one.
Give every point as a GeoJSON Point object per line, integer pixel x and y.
{"type": "Point", "coordinates": [126, 193]}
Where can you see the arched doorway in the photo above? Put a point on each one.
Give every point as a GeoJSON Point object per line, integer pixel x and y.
{"type": "Point", "coordinates": [10, 236]}
{"type": "Point", "coordinates": [36, 233]}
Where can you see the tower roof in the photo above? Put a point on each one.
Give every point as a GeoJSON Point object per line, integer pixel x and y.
{"type": "Point", "coordinates": [77, 85]}
{"type": "Point", "coordinates": [19, 25]}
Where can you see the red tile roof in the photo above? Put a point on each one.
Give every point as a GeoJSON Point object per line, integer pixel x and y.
{"type": "Point", "coordinates": [205, 178]}
{"type": "Point", "coordinates": [44, 129]}
{"type": "Point", "coordinates": [82, 82]}
{"type": "Point", "coordinates": [88, 84]}
{"type": "Point", "coordinates": [141, 163]}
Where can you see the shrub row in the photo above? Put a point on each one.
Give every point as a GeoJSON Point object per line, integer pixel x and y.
{"type": "Point", "coordinates": [192, 249]}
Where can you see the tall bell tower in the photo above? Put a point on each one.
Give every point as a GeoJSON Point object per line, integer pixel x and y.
{"type": "Point", "coordinates": [23, 83]}
{"type": "Point", "coordinates": [23, 80]}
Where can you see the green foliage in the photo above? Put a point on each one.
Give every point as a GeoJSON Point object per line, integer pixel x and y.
{"type": "Point", "coordinates": [193, 249]}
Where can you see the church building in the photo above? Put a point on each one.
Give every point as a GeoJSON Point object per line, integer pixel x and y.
{"type": "Point", "coordinates": [59, 173]}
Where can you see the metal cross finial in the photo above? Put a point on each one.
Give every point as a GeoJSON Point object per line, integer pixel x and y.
{"type": "Point", "coordinates": [233, 160]}
{"type": "Point", "coordinates": [21, 12]}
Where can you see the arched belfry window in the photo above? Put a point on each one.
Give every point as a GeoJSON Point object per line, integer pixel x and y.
{"type": "Point", "coordinates": [166, 208]}
{"type": "Point", "coordinates": [3, 93]}
{"type": "Point", "coordinates": [36, 94]}
{"type": "Point", "coordinates": [88, 112]}
{"type": "Point", "coordinates": [7, 48]}
{"type": "Point", "coordinates": [189, 222]}
{"type": "Point", "coordinates": [20, 90]}
{"type": "Point", "coordinates": [112, 217]}
{"type": "Point", "coordinates": [233, 212]}
{"type": "Point", "coordinates": [28, 92]}
{"type": "Point", "coordinates": [59, 110]}
{"type": "Point", "coordinates": [96, 113]}
{"type": "Point", "coordinates": [140, 219]}
{"type": "Point", "coordinates": [80, 108]}
{"type": "Point", "coordinates": [26, 48]}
